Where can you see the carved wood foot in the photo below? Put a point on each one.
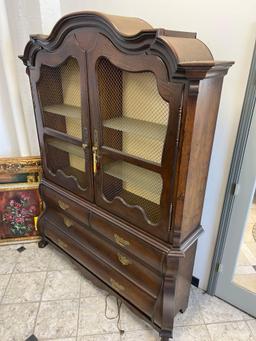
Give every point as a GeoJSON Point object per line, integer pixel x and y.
{"type": "Point", "coordinates": [42, 243]}
{"type": "Point", "coordinates": [183, 309]}
{"type": "Point", "coordinates": [165, 335]}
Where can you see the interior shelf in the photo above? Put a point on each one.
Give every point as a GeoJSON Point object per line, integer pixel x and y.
{"type": "Point", "coordinates": [139, 127]}
{"type": "Point", "coordinates": [64, 110]}
{"type": "Point", "coordinates": [136, 177]}
{"type": "Point", "coordinates": [66, 147]}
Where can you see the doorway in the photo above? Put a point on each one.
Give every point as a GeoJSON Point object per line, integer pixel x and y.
{"type": "Point", "coordinates": [233, 275]}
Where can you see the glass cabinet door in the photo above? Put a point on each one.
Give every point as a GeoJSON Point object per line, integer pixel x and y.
{"type": "Point", "coordinates": [64, 123]}
{"type": "Point", "coordinates": [130, 131]}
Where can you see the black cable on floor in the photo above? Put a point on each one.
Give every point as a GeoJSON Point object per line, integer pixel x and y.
{"type": "Point", "coordinates": [118, 314]}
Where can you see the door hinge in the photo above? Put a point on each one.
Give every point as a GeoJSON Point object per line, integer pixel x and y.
{"type": "Point", "coordinates": [179, 122]}
{"type": "Point", "coordinates": [219, 267]}
{"type": "Point", "coordinates": [235, 189]}
{"type": "Point", "coordinates": [170, 215]}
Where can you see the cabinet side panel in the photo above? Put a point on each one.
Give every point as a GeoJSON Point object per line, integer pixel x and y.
{"type": "Point", "coordinates": [184, 277]}
{"type": "Point", "coordinates": [201, 146]}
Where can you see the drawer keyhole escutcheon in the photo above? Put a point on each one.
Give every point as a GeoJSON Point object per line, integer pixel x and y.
{"type": "Point", "coordinates": [123, 259]}
{"type": "Point", "coordinates": [67, 222]}
{"type": "Point", "coordinates": [63, 205]}
{"type": "Point", "coordinates": [116, 286]}
{"type": "Point", "coordinates": [121, 241]}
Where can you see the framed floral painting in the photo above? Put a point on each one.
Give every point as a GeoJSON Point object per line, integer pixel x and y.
{"type": "Point", "coordinates": [20, 203]}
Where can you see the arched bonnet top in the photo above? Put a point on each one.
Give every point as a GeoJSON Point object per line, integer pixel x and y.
{"type": "Point", "coordinates": [181, 51]}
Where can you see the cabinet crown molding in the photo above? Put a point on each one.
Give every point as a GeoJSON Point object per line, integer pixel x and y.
{"type": "Point", "coordinates": [181, 51]}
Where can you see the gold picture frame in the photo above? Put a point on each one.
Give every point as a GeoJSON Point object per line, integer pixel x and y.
{"type": "Point", "coordinates": [20, 202]}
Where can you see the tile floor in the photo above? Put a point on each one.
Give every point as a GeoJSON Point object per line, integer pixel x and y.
{"type": "Point", "coordinates": [43, 293]}
{"type": "Point", "coordinates": [245, 272]}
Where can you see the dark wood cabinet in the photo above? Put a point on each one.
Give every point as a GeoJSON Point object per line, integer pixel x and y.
{"type": "Point", "coordinates": [125, 116]}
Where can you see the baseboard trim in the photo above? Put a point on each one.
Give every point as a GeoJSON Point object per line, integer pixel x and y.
{"type": "Point", "coordinates": [195, 281]}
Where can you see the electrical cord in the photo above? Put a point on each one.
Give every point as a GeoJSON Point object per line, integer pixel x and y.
{"type": "Point", "coordinates": [118, 314]}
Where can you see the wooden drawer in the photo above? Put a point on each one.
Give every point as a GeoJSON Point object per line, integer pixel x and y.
{"type": "Point", "coordinates": [129, 266]}
{"type": "Point", "coordinates": [141, 299]}
{"type": "Point", "coordinates": [129, 242]}
{"type": "Point", "coordinates": [54, 200]}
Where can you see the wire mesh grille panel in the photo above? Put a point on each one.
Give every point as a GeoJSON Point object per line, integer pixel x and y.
{"type": "Point", "coordinates": [134, 115]}
{"type": "Point", "coordinates": [59, 91]}
{"type": "Point", "coordinates": [66, 157]}
{"type": "Point", "coordinates": [135, 119]}
{"type": "Point", "coordinates": [136, 185]}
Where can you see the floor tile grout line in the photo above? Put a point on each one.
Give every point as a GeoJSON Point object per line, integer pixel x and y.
{"type": "Point", "coordinates": [251, 331]}
{"type": "Point", "coordinates": [63, 338]}
{"type": "Point", "coordinates": [208, 332]}
{"type": "Point", "coordinates": [205, 322]}
{"type": "Point", "coordinates": [35, 271]}
{"type": "Point", "coordinates": [48, 301]}
{"type": "Point", "coordinates": [5, 289]}
{"type": "Point", "coordinates": [227, 322]}
{"type": "Point", "coordinates": [39, 305]}
{"type": "Point", "coordinates": [79, 304]}
{"type": "Point", "coordinates": [11, 274]}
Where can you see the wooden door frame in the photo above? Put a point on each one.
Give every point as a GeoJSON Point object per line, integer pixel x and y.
{"type": "Point", "coordinates": [234, 174]}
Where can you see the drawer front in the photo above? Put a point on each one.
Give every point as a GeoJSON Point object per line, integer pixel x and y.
{"type": "Point", "coordinates": [127, 241]}
{"type": "Point", "coordinates": [116, 257]}
{"type": "Point", "coordinates": [106, 273]}
{"type": "Point", "coordinates": [56, 201]}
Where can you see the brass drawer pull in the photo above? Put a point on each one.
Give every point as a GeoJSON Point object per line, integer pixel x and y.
{"type": "Point", "coordinates": [123, 259]}
{"type": "Point", "coordinates": [121, 241]}
{"type": "Point", "coordinates": [67, 222]}
{"type": "Point", "coordinates": [62, 244]}
{"type": "Point", "coordinates": [116, 286]}
{"type": "Point", "coordinates": [63, 205]}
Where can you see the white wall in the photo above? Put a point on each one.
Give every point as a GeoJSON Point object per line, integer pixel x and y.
{"type": "Point", "coordinates": [22, 17]}
{"type": "Point", "coordinates": [228, 29]}
{"type": "Point", "coordinates": [19, 19]}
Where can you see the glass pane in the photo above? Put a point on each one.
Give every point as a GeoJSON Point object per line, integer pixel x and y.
{"type": "Point", "coordinates": [245, 271]}
{"type": "Point", "coordinates": [136, 185]}
{"type": "Point", "coordinates": [67, 158]}
{"type": "Point", "coordinates": [59, 90]}
{"type": "Point", "coordinates": [133, 113]}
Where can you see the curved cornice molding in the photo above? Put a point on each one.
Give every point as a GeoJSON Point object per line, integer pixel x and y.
{"type": "Point", "coordinates": [180, 51]}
